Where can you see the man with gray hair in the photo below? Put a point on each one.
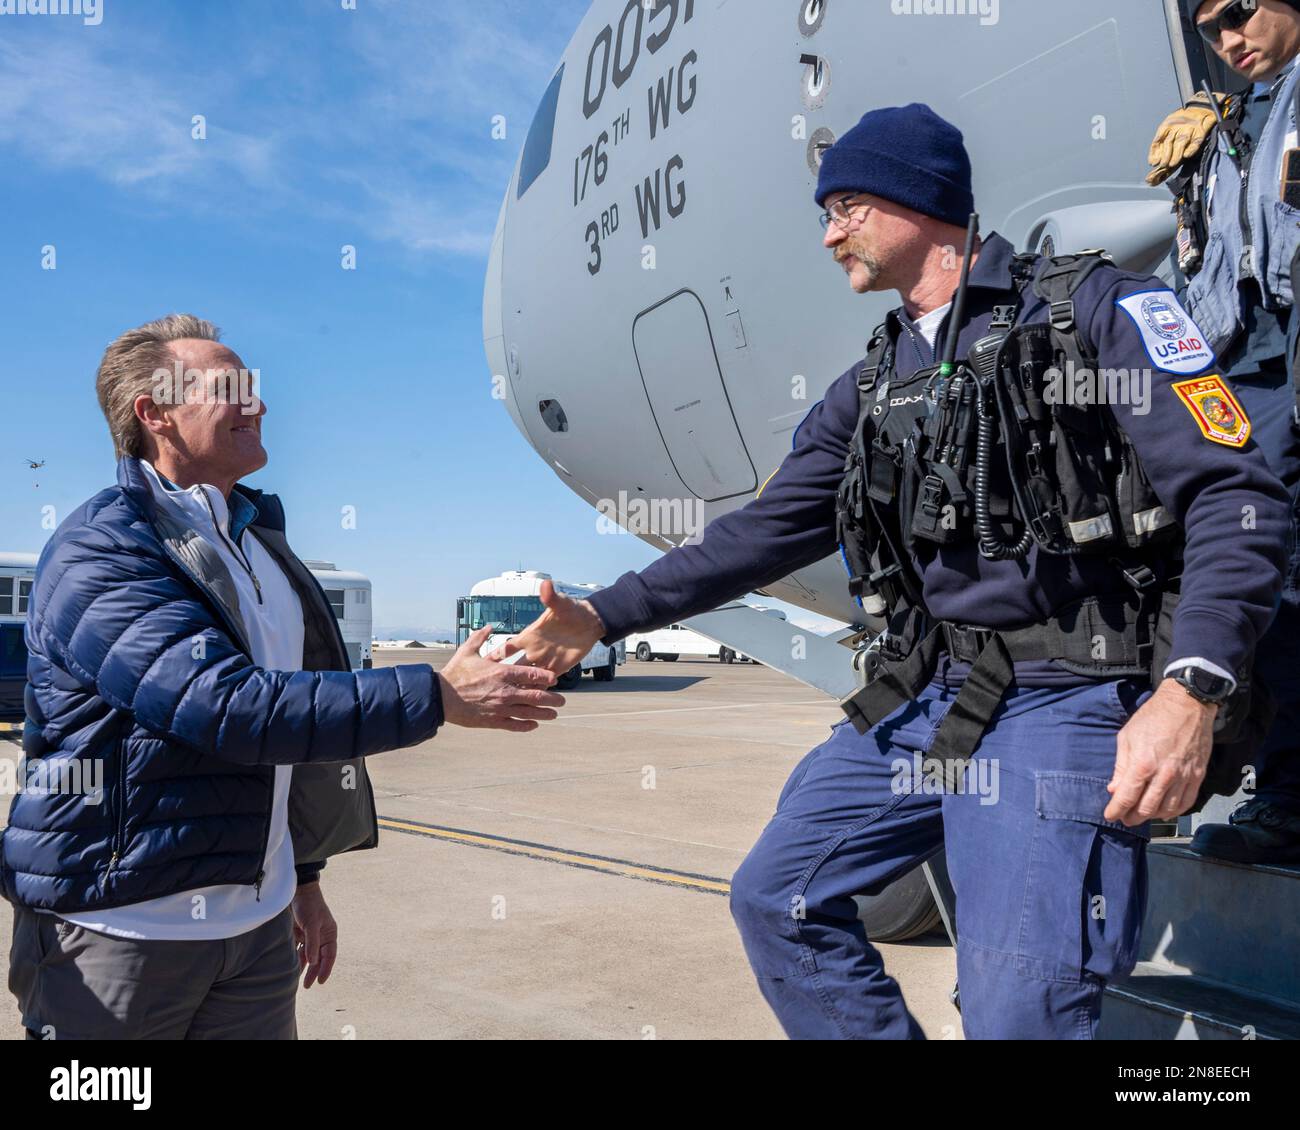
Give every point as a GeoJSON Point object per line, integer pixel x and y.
{"type": "Point", "coordinates": [184, 657]}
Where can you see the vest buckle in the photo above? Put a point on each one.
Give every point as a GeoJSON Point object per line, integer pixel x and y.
{"type": "Point", "coordinates": [1004, 318]}
{"type": "Point", "coordinates": [965, 643]}
{"type": "Point", "coordinates": [932, 496]}
{"type": "Point", "coordinates": [1062, 316]}
{"type": "Point", "coordinates": [1140, 577]}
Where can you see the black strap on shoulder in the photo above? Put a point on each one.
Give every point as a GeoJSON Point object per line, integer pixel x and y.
{"type": "Point", "coordinates": [1022, 273]}
{"type": "Point", "coordinates": [879, 357]}
{"type": "Point", "coordinates": [1022, 268]}
{"type": "Point", "coordinates": [874, 565]}
{"type": "Point", "coordinates": [1060, 280]}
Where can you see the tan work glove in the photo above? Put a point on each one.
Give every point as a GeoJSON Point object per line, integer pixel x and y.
{"type": "Point", "coordinates": [1181, 136]}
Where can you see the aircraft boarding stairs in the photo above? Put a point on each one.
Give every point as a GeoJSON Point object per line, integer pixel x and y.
{"type": "Point", "coordinates": [1220, 953]}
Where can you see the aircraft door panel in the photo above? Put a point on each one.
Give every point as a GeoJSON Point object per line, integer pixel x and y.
{"type": "Point", "coordinates": [679, 368]}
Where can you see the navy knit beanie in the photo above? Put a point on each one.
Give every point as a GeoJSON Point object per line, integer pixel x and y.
{"type": "Point", "coordinates": [907, 154]}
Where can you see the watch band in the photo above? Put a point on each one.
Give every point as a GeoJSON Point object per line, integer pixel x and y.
{"type": "Point", "coordinates": [1203, 685]}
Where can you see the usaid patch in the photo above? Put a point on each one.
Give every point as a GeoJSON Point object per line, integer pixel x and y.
{"type": "Point", "coordinates": [1170, 337]}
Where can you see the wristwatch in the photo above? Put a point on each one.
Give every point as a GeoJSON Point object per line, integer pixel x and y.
{"type": "Point", "coordinates": [1203, 685]}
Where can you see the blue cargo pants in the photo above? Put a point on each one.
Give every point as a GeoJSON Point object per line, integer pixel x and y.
{"type": "Point", "coordinates": [1050, 896]}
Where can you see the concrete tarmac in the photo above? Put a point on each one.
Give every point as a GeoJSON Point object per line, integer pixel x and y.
{"type": "Point", "coordinates": [571, 883]}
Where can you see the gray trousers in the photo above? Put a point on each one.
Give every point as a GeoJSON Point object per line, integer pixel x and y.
{"type": "Point", "coordinates": [76, 984]}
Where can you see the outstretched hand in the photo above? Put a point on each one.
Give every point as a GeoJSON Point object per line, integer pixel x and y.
{"type": "Point", "coordinates": [483, 694]}
{"type": "Point", "coordinates": [559, 638]}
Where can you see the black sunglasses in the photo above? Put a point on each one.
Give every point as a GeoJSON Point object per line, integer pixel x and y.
{"type": "Point", "coordinates": [1235, 15]}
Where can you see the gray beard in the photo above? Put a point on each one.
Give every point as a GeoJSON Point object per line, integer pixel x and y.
{"type": "Point", "coordinates": [872, 267]}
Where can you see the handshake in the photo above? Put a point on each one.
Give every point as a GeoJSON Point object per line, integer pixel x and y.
{"type": "Point", "coordinates": [489, 694]}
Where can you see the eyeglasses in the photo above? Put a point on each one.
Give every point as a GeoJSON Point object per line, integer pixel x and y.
{"type": "Point", "coordinates": [1235, 16]}
{"type": "Point", "coordinates": [839, 213]}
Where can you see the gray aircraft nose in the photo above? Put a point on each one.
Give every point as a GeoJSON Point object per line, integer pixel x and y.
{"type": "Point", "coordinates": [493, 327]}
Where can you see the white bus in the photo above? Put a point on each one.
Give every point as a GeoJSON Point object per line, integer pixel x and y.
{"type": "Point", "coordinates": [511, 602]}
{"type": "Point", "coordinates": [349, 596]}
{"type": "Point", "coordinates": [17, 574]}
{"type": "Point", "coordinates": [676, 640]}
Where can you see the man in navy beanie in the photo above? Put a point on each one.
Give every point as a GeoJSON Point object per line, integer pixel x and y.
{"type": "Point", "coordinates": [916, 167]}
{"type": "Point", "coordinates": [1008, 713]}
{"type": "Point", "coordinates": [908, 154]}
{"type": "Point", "coordinates": [915, 163]}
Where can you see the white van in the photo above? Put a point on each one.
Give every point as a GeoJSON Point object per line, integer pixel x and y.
{"type": "Point", "coordinates": [676, 640]}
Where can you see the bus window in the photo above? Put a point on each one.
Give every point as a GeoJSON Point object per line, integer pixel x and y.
{"type": "Point", "coordinates": [504, 613]}
{"type": "Point", "coordinates": [13, 652]}
{"type": "Point", "coordinates": [337, 599]}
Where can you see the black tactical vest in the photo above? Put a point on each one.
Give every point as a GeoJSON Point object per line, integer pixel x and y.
{"type": "Point", "coordinates": [1005, 452]}
{"type": "Point", "coordinates": [998, 453]}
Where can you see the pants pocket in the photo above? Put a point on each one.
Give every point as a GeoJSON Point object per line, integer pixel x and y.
{"type": "Point", "coordinates": [33, 942]}
{"type": "Point", "coordinates": [1085, 888]}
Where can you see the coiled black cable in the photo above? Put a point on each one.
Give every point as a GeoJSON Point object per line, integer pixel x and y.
{"type": "Point", "coordinates": [991, 545]}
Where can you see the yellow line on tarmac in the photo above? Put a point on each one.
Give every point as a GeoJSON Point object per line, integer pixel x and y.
{"type": "Point", "coordinates": [585, 860]}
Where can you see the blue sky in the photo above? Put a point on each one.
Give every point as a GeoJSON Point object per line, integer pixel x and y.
{"type": "Point", "coordinates": [325, 127]}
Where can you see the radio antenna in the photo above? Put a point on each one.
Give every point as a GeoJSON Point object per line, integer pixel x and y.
{"type": "Point", "coordinates": [1218, 117]}
{"type": "Point", "coordinates": [958, 315]}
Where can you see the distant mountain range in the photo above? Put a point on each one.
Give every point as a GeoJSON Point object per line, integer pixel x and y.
{"type": "Point", "coordinates": [429, 635]}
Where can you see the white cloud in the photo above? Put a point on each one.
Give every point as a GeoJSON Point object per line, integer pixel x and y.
{"type": "Point", "coordinates": [67, 107]}
{"type": "Point", "coordinates": [379, 120]}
